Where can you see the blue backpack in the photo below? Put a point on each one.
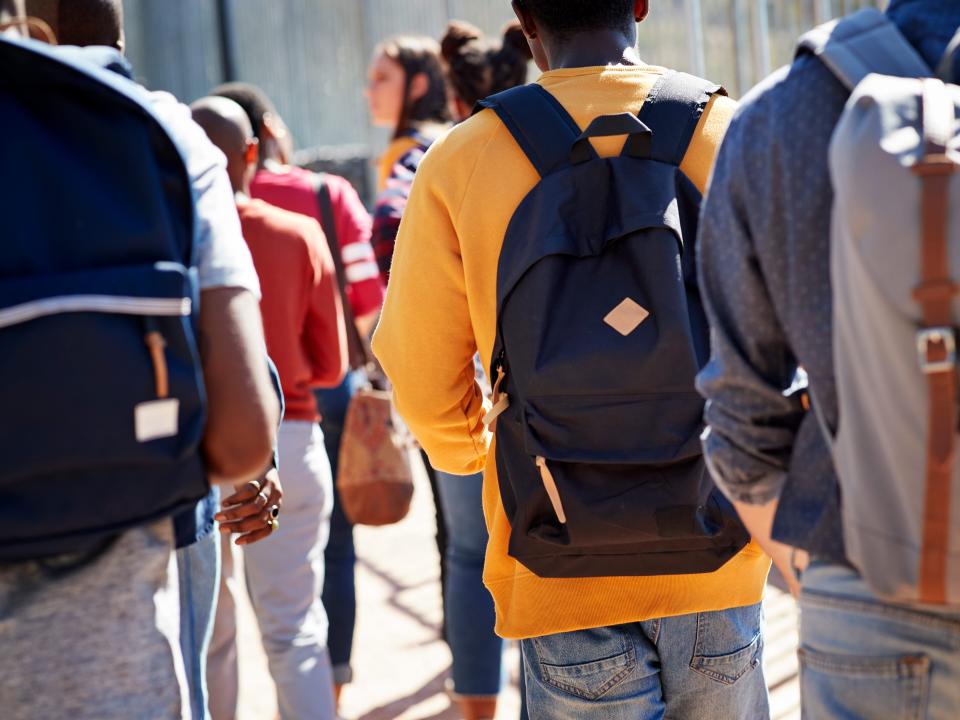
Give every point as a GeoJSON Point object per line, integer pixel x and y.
{"type": "Point", "coordinates": [600, 335]}
{"type": "Point", "coordinates": [103, 400]}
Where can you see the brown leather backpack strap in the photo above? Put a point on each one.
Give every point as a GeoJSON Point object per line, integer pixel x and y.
{"type": "Point", "coordinates": [936, 341]}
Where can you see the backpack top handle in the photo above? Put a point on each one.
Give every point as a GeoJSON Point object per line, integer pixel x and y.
{"type": "Point", "coordinates": [639, 137]}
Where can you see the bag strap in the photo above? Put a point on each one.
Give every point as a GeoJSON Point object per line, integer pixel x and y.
{"type": "Point", "coordinates": [672, 110]}
{"type": "Point", "coordinates": [948, 68]}
{"type": "Point", "coordinates": [358, 352]}
{"type": "Point", "coordinates": [860, 44]}
{"type": "Point", "coordinates": [538, 122]}
{"type": "Point", "coordinates": [936, 340]}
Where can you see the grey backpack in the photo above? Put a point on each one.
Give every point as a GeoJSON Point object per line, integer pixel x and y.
{"type": "Point", "coordinates": [895, 251]}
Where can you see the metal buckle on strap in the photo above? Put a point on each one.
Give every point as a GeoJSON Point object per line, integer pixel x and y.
{"type": "Point", "coordinates": [937, 340]}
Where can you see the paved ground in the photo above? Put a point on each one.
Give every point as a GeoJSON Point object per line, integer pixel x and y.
{"type": "Point", "coordinates": [401, 663]}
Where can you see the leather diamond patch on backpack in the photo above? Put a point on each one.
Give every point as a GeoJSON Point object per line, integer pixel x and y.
{"type": "Point", "coordinates": [626, 317]}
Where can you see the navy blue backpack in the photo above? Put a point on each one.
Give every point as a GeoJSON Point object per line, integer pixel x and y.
{"type": "Point", "coordinates": [600, 335]}
{"type": "Point", "coordinates": [102, 404]}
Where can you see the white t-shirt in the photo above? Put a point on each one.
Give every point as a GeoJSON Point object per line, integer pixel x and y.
{"type": "Point", "coordinates": [223, 259]}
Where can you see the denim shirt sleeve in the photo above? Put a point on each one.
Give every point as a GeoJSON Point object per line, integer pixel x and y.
{"type": "Point", "coordinates": [275, 379]}
{"type": "Point", "coordinates": [752, 421]}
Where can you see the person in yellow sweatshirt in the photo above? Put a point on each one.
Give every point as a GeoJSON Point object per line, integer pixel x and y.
{"type": "Point", "coordinates": [602, 639]}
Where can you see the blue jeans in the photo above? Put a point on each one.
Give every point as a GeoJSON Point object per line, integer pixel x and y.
{"type": "Point", "coordinates": [468, 607]}
{"type": "Point", "coordinates": [704, 666]}
{"type": "Point", "coordinates": [872, 660]}
{"type": "Point", "coordinates": [339, 586]}
{"type": "Point", "coordinates": [198, 567]}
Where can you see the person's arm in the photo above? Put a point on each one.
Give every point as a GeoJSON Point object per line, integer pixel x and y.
{"type": "Point", "coordinates": [425, 339]}
{"type": "Point", "coordinates": [242, 407]}
{"type": "Point", "coordinates": [752, 421]}
{"type": "Point", "coordinates": [365, 287]}
{"type": "Point", "coordinates": [324, 334]}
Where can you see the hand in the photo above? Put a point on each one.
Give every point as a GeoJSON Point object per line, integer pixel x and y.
{"type": "Point", "coordinates": [758, 519]}
{"type": "Point", "coordinates": [251, 511]}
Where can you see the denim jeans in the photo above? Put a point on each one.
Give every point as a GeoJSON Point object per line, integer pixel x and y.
{"type": "Point", "coordinates": [468, 606]}
{"type": "Point", "coordinates": [198, 569]}
{"type": "Point", "coordinates": [867, 659]}
{"type": "Point", "coordinates": [339, 585]}
{"type": "Point", "coordinates": [704, 666]}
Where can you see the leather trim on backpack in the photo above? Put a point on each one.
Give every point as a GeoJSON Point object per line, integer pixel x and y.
{"type": "Point", "coordinates": [936, 344]}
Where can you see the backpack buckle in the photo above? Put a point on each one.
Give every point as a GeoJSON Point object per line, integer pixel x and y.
{"type": "Point", "coordinates": [937, 349]}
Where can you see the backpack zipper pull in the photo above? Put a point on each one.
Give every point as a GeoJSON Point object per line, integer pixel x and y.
{"type": "Point", "coordinates": [156, 344]}
{"type": "Point", "coordinates": [550, 485]}
{"type": "Point", "coordinates": [500, 401]}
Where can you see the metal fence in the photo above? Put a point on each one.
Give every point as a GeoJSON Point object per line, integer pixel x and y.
{"type": "Point", "coordinates": [311, 55]}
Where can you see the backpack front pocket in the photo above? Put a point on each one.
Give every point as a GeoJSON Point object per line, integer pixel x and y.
{"type": "Point", "coordinates": [640, 488]}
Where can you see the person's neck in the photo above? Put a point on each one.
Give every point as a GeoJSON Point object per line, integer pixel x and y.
{"type": "Point", "coordinates": [596, 48]}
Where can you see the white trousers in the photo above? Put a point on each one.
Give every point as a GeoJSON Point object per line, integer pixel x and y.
{"type": "Point", "coordinates": [285, 578]}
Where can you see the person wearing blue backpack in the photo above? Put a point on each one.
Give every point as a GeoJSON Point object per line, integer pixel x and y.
{"type": "Point", "coordinates": [554, 231]}
{"type": "Point", "coordinates": [825, 244]}
{"type": "Point", "coordinates": [86, 557]}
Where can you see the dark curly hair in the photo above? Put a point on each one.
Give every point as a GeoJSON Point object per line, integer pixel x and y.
{"type": "Point", "coordinates": [418, 55]}
{"type": "Point", "coordinates": [564, 18]}
{"type": "Point", "coordinates": [477, 68]}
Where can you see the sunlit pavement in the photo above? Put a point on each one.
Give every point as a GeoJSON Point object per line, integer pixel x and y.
{"type": "Point", "coordinates": [400, 663]}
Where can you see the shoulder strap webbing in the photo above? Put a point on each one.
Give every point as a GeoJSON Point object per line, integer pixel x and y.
{"type": "Point", "coordinates": [357, 351]}
{"type": "Point", "coordinates": [863, 43]}
{"type": "Point", "coordinates": [672, 110]}
{"type": "Point", "coordinates": [541, 126]}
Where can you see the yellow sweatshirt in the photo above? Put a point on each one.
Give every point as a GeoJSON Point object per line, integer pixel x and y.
{"type": "Point", "coordinates": [440, 309]}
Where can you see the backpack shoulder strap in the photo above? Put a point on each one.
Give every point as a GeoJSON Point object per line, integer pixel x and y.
{"type": "Point", "coordinates": [538, 122]}
{"type": "Point", "coordinates": [672, 110]}
{"type": "Point", "coordinates": [948, 69]}
{"type": "Point", "coordinates": [863, 43]}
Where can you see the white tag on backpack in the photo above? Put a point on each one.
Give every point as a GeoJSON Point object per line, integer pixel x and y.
{"type": "Point", "coordinates": [156, 419]}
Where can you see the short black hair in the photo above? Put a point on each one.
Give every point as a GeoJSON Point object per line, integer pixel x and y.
{"type": "Point", "coordinates": [568, 17]}
{"type": "Point", "coordinates": [252, 99]}
{"type": "Point", "coordinates": [82, 22]}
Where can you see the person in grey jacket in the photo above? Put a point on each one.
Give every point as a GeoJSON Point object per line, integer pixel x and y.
{"type": "Point", "coordinates": [765, 274]}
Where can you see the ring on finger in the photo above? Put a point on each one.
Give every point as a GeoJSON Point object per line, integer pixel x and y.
{"type": "Point", "coordinates": [262, 495]}
{"type": "Point", "coordinates": [274, 511]}
{"type": "Point", "coordinates": [273, 524]}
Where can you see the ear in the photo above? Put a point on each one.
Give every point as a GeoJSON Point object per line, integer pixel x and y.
{"type": "Point", "coordinates": [641, 9]}
{"type": "Point", "coordinates": [273, 127]}
{"type": "Point", "coordinates": [251, 155]}
{"type": "Point", "coordinates": [527, 23]}
{"type": "Point", "coordinates": [419, 85]}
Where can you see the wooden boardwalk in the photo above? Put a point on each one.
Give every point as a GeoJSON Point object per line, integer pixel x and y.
{"type": "Point", "coordinates": [401, 664]}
